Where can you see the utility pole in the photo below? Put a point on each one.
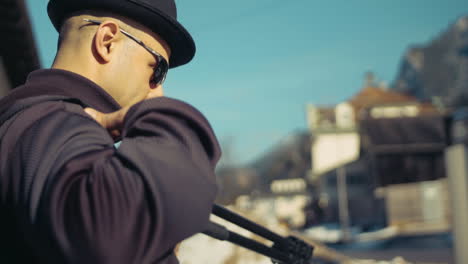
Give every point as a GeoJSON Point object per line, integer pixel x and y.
{"type": "Point", "coordinates": [343, 208]}
{"type": "Point", "coordinates": [456, 162]}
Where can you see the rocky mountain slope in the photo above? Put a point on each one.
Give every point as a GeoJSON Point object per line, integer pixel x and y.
{"type": "Point", "coordinates": [439, 69]}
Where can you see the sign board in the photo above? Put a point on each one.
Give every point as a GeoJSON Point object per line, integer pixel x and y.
{"type": "Point", "coordinates": [332, 150]}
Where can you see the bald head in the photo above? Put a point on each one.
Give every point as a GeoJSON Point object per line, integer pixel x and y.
{"type": "Point", "coordinates": [104, 55]}
{"type": "Point", "coordinates": [74, 28]}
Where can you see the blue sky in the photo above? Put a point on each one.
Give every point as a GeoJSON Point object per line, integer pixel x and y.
{"type": "Point", "coordinates": [258, 63]}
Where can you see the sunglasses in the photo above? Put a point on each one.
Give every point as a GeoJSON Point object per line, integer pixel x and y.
{"type": "Point", "coordinates": [162, 66]}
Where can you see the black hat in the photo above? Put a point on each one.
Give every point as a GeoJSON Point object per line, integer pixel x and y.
{"type": "Point", "coordinates": [158, 15]}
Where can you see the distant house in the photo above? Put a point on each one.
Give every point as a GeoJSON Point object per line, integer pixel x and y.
{"type": "Point", "coordinates": [18, 53]}
{"type": "Point", "coordinates": [336, 129]}
{"type": "Point", "coordinates": [398, 157]}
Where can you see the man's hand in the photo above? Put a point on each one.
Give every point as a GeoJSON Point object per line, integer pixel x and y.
{"type": "Point", "coordinates": [113, 122]}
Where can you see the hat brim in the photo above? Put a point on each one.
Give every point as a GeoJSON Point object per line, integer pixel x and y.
{"type": "Point", "coordinates": [177, 37]}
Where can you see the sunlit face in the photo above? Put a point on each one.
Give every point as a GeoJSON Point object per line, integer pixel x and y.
{"type": "Point", "coordinates": [134, 68]}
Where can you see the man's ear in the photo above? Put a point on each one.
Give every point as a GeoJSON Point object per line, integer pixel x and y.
{"type": "Point", "coordinates": [105, 40]}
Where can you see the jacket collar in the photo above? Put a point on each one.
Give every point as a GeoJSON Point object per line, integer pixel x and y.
{"type": "Point", "coordinates": [64, 83]}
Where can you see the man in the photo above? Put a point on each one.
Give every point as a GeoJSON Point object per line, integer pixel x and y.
{"type": "Point", "coordinates": [67, 195]}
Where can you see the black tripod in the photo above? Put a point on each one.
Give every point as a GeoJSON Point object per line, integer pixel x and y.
{"type": "Point", "coordinates": [285, 250]}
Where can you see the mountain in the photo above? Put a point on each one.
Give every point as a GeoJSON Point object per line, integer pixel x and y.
{"type": "Point", "coordinates": [289, 158]}
{"type": "Point", "coordinates": [438, 69]}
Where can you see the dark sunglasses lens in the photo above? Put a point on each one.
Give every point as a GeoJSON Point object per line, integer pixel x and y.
{"type": "Point", "coordinates": [160, 72]}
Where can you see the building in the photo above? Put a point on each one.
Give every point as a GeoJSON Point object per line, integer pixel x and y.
{"type": "Point", "coordinates": [374, 141]}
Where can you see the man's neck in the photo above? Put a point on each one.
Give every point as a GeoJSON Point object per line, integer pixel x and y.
{"type": "Point", "coordinates": [79, 64]}
{"type": "Point", "coordinates": [68, 62]}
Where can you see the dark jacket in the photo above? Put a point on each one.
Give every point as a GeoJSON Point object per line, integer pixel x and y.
{"type": "Point", "coordinates": [67, 195]}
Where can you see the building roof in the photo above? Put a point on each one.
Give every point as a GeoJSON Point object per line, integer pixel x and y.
{"type": "Point", "coordinates": [370, 96]}
{"type": "Point", "coordinates": [18, 47]}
